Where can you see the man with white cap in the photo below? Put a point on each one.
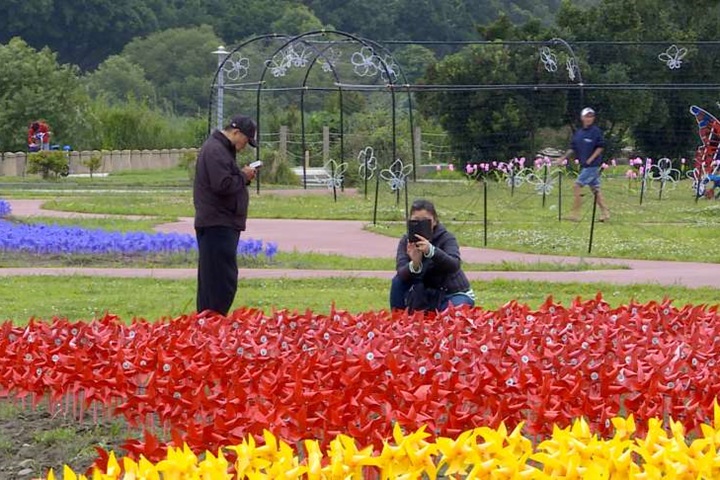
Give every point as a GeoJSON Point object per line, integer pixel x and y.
{"type": "Point", "coordinates": [588, 145]}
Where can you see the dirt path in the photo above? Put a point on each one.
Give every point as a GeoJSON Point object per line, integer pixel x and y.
{"type": "Point", "coordinates": [350, 239]}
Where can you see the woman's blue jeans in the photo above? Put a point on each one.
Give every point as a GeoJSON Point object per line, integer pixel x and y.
{"type": "Point", "coordinates": [399, 289]}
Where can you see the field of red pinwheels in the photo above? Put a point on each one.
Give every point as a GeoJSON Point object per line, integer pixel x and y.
{"type": "Point", "coordinates": [207, 382]}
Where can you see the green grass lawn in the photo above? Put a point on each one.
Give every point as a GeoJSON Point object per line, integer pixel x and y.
{"type": "Point", "coordinates": [283, 260]}
{"type": "Point", "coordinates": [88, 297]}
{"type": "Point", "coordinates": [153, 178]}
{"type": "Point", "coordinates": [675, 228]}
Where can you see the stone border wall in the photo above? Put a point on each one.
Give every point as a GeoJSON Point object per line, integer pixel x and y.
{"type": "Point", "coordinates": [14, 164]}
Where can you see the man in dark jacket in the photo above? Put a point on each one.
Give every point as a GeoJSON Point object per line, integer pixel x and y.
{"type": "Point", "coordinates": [220, 195]}
{"type": "Point", "coordinates": [429, 274]}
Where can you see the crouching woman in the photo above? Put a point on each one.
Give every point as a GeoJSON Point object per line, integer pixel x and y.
{"type": "Point", "coordinates": [429, 274]}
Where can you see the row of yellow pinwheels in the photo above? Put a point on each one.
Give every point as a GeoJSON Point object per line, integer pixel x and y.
{"type": "Point", "coordinates": [573, 452]}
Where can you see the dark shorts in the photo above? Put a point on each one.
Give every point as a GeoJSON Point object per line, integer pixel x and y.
{"type": "Point", "coordinates": [589, 177]}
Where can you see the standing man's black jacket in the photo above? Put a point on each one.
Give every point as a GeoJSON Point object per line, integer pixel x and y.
{"type": "Point", "coordinates": [443, 271]}
{"type": "Point", "coordinates": [220, 192]}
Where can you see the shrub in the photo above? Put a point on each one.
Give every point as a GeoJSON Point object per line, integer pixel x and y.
{"type": "Point", "coordinates": [276, 171]}
{"type": "Point", "coordinates": [48, 163]}
{"type": "Point", "coordinates": [93, 164]}
{"type": "Point", "coordinates": [188, 161]}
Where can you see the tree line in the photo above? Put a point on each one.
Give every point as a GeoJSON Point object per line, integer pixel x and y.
{"type": "Point", "coordinates": [97, 69]}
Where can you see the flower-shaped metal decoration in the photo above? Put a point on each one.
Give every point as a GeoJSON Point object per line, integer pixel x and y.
{"type": "Point", "coordinates": [673, 56]}
{"type": "Point", "coordinates": [368, 163]}
{"type": "Point", "coordinates": [236, 67]}
{"type": "Point", "coordinates": [549, 59]}
{"type": "Point", "coordinates": [364, 62]}
{"type": "Point", "coordinates": [392, 68]}
{"type": "Point", "coordinates": [664, 171]}
{"type": "Point", "coordinates": [396, 175]}
{"type": "Point", "coordinates": [336, 172]}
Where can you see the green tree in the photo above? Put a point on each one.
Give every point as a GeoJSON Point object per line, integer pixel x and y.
{"type": "Point", "coordinates": [295, 20]}
{"type": "Point", "coordinates": [493, 123]}
{"type": "Point", "coordinates": [83, 33]}
{"type": "Point", "coordinates": [657, 122]}
{"type": "Point", "coordinates": [117, 79]}
{"type": "Point", "coordinates": [179, 63]}
{"type": "Point", "coordinates": [414, 60]}
{"type": "Point", "coordinates": [251, 17]}
{"type": "Point", "coordinates": [34, 85]}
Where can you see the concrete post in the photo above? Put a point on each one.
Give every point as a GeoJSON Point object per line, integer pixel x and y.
{"type": "Point", "coordinates": [326, 144]}
{"type": "Point", "coordinates": [283, 144]}
{"type": "Point", "coordinates": [417, 133]}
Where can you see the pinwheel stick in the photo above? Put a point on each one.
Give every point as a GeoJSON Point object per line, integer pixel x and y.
{"type": "Point", "coordinates": [560, 177]}
{"type": "Point", "coordinates": [642, 186]}
{"type": "Point", "coordinates": [334, 184]}
{"type": "Point", "coordinates": [662, 187]}
{"type": "Point", "coordinates": [377, 194]}
{"type": "Point", "coordinates": [545, 182]}
{"type": "Point", "coordinates": [592, 221]}
{"type": "Point", "coordinates": [485, 211]}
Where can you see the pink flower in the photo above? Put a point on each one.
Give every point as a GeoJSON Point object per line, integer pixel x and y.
{"type": "Point", "coordinates": [438, 167]}
{"type": "Point", "coordinates": [605, 166]}
{"type": "Point", "coordinates": [451, 167]}
{"type": "Point", "coordinates": [522, 161]}
{"type": "Point", "coordinates": [613, 162]}
{"type": "Point", "coordinates": [469, 168]}
{"type": "Point", "coordinates": [630, 174]}
{"type": "Point", "coordinates": [682, 160]}
{"type": "Point", "coordinates": [641, 170]}
{"type": "Point", "coordinates": [495, 163]}
{"type": "Point", "coordinates": [487, 167]}
{"type": "Point", "coordinates": [577, 162]}
{"type": "Point", "coordinates": [564, 162]}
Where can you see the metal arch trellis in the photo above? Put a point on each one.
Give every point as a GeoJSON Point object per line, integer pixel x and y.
{"type": "Point", "coordinates": [327, 65]}
{"type": "Point", "coordinates": [385, 71]}
{"type": "Point", "coordinates": [345, 35]}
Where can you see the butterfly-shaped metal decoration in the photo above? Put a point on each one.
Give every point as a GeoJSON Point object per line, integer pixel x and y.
{"type": "Point", "coordinates": [549, 59]}
{"type": "Point", "coordinates": [288, 58]}
{"type": "Point", "coordinates": [329, 59]}
{"type": "Point", "coordinates": [396, 175]}
{"type": "Point", "coordinates": [236, 67]}
{"type": "Point", "coordinates": [368, 163]}
{"type": "Point", "coordinates": [336, 172]}
{"type": "Point", "coordinates": [572, 67]}
{"type": "Point", "coordinates": [673, 56]}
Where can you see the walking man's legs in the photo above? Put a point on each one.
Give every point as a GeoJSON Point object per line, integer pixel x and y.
{"type": "Point", "coordinates": [577, 202]}
{"type": "Point", "coordinates": [605, 213]}
{"type": "Point", "coordinates": [217, 268]}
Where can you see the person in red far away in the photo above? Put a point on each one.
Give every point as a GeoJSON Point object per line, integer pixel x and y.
{"type": "Point", "coordinates": [38, 136]}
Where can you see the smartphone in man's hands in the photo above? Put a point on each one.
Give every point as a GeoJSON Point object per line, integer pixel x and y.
{"type": "Point", "coordinates": [422, 228]}
{"type": "Point", "coordinates": [256, 164]}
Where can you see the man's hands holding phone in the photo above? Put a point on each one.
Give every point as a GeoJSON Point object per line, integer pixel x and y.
{"type": "Point", "coordinates": [250, 171]}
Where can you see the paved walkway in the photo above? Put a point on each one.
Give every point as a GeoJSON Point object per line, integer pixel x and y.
{"type": "Point", "coordinates": [350, 239]}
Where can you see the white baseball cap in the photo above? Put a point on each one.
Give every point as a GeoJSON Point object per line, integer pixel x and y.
{"type": "Point", "coordinates": [587, 111]}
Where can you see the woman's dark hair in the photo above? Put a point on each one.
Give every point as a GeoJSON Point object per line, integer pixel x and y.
{"type": "Point", "coordinates": [422, 204]}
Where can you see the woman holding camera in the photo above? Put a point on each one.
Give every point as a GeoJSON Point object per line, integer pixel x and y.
{"type": "Point", "coordinates": [429, 274]}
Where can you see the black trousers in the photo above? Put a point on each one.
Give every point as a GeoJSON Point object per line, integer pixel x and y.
{"type": "Point", "coordinates": [217, 268]}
